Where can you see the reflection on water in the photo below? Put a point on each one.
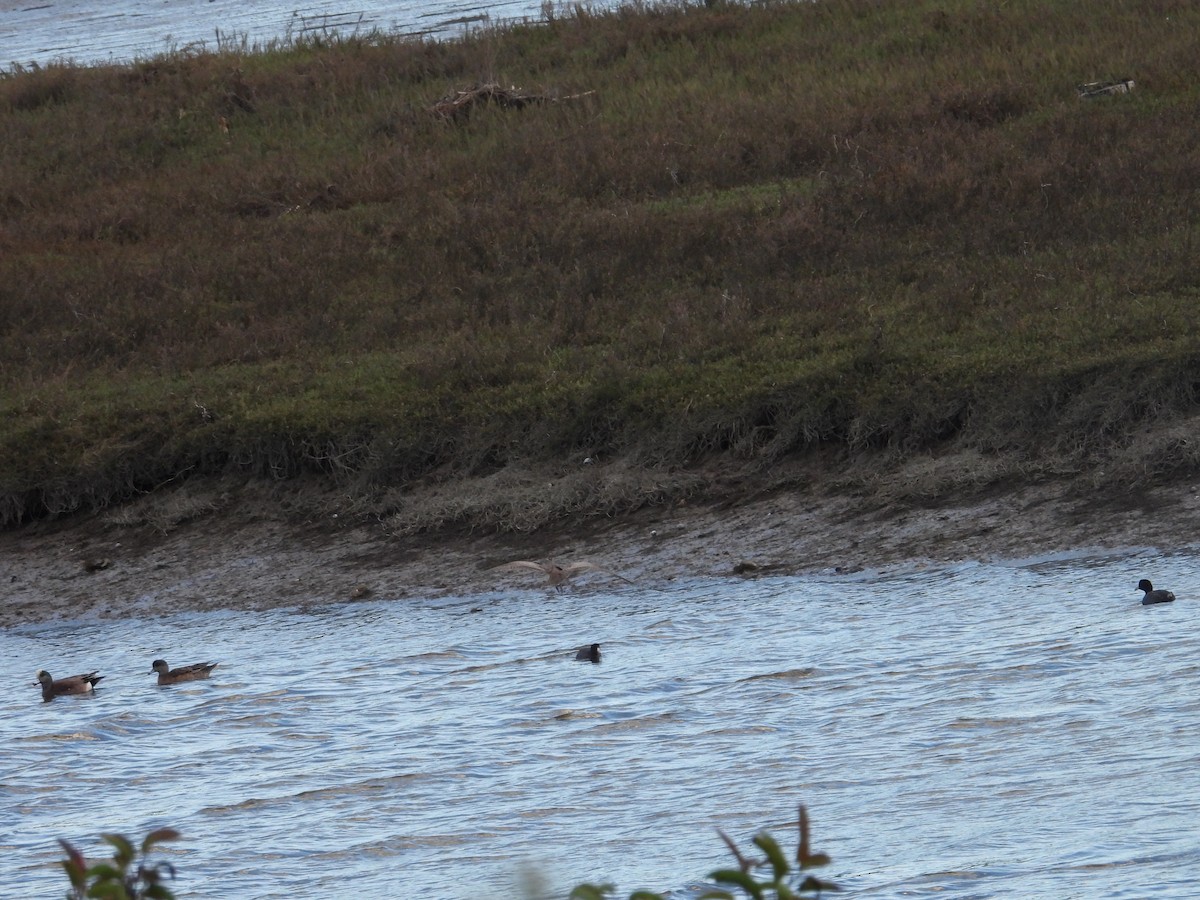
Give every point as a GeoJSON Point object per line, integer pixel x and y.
{"type": "Point", "coordinates": [88, 31]}
{"type": "Point", "coordinates": [976, 731]}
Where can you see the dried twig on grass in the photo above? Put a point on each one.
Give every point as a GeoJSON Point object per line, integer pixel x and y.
{"type": "Point", "coordinates": [1104, 88]}
{"type": "Point", "coordinates": [460, 103]}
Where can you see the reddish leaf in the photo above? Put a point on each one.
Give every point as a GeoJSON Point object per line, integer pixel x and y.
{"type": "Point", "coordinates": [157, 837]}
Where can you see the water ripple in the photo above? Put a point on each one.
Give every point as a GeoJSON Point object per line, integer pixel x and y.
{"type": "Point", "coordinates": [1007, 746]}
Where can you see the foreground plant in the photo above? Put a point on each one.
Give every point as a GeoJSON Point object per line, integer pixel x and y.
{"type": "Point", "coordinates": [778, 886]}
{"type": "Point", "coordinates": [127, 876]}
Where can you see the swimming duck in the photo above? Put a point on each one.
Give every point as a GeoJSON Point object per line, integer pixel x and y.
{"type": "Point", "coordinates": [1153, 596]}
{"type": "Point", "coordinates": [589, 654]}
{"type": "Point", "coordinates": [167, 675]}
{"type": "Point", "coordinates": [75, 684]}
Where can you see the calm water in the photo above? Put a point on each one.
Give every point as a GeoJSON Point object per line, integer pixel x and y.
{"type": "Point", "coordinates": [96, 31]}
{"type": "Point", "coordinates": [977, 731]}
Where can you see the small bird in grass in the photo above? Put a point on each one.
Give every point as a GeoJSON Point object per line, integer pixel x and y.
{"type": "Point", "coordinates": [589, 654]}
{"type": "Point", "coordinates": [167, 675]}
{"type": "Point", "coordinates": [558, 575]}
{"type": "Point", "coordinates": [1153, 596]}
{"type": "Point", "coordinates": [75, 684]}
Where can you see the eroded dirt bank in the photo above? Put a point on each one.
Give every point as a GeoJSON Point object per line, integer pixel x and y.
{"type": "Point", "coordinates": [243, 546]}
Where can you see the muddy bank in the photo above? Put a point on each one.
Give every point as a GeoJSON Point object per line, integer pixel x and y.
{"type": "Point", "coordinates": [227, 544]}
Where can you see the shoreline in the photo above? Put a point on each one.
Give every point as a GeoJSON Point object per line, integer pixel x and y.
{"type": "Point", "coordinates": [252, 550]}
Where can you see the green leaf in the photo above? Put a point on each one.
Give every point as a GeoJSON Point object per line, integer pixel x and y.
{"type": "Point", "coordinates": [716, 894]}
{"type": "Point", "coordinates": [645, 895]}
{"type": "Point", "coordinates": [158, 892]}
{"type": "Point", "coordinates": [73, 874]}
{"type": "Point", "coordinates": [770, 846]}
{"type": "Point", "coordinates": [75, 865]}
{"type": "Point", "coordinates": [125, 852]}
{"type": "Point", "coordinates": [157, 837]}
{"type": "Point", "coordinates": [108, 890]}
{"type": "Point", "coordinates": [741, 879]}
{"type": "Point", "coordinates": [590, 892]}
{"type": "Point", "coordinates": [105, 872]}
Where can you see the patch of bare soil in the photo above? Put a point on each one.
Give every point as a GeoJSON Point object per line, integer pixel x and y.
{"type": "Point", "coordinates": [249, 546]}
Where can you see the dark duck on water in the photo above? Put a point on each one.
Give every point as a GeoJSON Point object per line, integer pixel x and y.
{"type": "Point", "coordinates": [1153, 596]}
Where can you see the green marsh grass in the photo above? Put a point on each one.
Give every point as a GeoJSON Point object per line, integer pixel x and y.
{"type": "Point", "coordinates": [761, 230]}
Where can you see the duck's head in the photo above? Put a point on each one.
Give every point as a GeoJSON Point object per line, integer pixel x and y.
{"type": "Point", "coordinates": [1145, 585]}
{"type": "Point", "coordinates": [160, 666]}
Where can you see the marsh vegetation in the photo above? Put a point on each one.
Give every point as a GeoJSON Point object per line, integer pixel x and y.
{"type": "Point", "coordinates": [754, 232]}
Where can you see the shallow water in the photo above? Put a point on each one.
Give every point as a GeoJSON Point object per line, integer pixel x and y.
{"type": "Point", "coordinates": [966, 732]}
{"type": "Point", "coordinates": [89, 31]}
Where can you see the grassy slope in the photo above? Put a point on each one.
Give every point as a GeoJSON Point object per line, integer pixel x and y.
{"type": "Point", "coordinates": [849, 223]}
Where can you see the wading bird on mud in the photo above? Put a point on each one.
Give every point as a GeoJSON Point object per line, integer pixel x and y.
{"type": "Point", "coordinates": [558, 575]}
